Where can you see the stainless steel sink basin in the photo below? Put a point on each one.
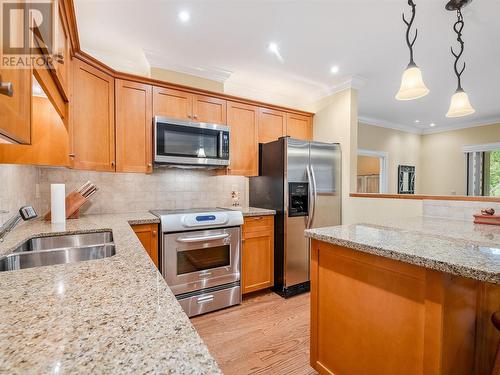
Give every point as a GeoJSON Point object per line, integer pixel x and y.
{"type": "Point", "coordinates": [65, 241]}
{"type": "Point", "coordinates": [17, 261]}
{"type": "Point", "coordinates": [47, 251]}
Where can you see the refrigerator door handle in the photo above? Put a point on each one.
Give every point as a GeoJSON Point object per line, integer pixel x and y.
{"type": "Point", "coordinates": [315, 196]}
{"type": "Point", "coordinates": [311, 197]}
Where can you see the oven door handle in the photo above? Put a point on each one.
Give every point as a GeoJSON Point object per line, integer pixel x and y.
{"type": "Point", "coordinates": [189, 239]}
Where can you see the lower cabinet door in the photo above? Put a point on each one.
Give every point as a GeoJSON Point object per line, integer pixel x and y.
{"type": "Point", "coordinates": [148, 235]}
{"type": "Point", "coordinates": [257, 265]}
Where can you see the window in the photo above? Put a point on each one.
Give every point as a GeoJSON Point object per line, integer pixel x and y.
{"type": "Point", "coordinates": [483, 170]}
{"type": "Point", "coordinates": [372, 176]}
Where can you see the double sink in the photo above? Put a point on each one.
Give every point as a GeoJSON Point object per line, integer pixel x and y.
{"type": "Point", "coordinates": [47, 251]}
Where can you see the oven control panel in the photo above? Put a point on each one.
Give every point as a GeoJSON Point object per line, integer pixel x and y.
{"type": "Point", "coordinates": [185, 221]}
{"type": "Point", "coordinates": [201, 220]}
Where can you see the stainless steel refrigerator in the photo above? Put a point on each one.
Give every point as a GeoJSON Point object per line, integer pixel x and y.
{"type": "Point", "coordinates": [301, 181]}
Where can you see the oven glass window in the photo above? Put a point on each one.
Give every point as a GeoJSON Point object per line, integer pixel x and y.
{"type": "Point", "coordinates": [175, 140]}
{"type": "Point", "coordinates": [203, 259]}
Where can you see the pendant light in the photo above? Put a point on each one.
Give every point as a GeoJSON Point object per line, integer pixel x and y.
{"type": "Point", "coordinates": [460, 105]}
{"type": "Point", "coordinates": [412, 83]}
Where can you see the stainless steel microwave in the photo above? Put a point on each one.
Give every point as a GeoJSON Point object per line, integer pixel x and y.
{"type": "Point", "coordinates": [179, 142]}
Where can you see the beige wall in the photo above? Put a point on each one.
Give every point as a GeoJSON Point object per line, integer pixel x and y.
{"type": "Point", "coordinates": [403, 149]}
{"type": "Point", "coordinates": [336, 121]}
{"type": "Point", "coordinates": [443, 161]}
{"type": "Point", "coordinates": [186, 80]}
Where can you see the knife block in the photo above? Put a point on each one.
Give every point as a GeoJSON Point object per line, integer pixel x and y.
{"type": "Point", "coordinates": [74, 201]}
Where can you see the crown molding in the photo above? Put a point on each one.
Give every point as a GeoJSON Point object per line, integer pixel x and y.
{"type": "Point", "coordinates": [389, 125]}
{"type": "Point", "coordinates": [157, 60]}
{"type": "Point", "coordinates": [464, 125]}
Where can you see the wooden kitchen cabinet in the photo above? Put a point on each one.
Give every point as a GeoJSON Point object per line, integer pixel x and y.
{"type": "Point", "coordinates": [148, 235]}
{"type": "Point", "coordinates": [186, 106]}
{"type": "Point", "coordinates": [62, 67]}
{"type": "Point", "coordinates": [172, 103]}
{"type": "Point", "coordinates": [299, 126]}
{"type": "Point", "coordinates": [272, 125]}
{"type": "Point", "coordinates": [257, 260]}
{"type": "Point", "coordinates": [134, 130]}
{"type": "Point", "coordinates": [15, 104]}
{"type": "Point", "coordinates": [209, 109]}
{"type": "Point", "coordinates": [244, 145]}
{"type": "Point", "coordinates": [92, 126]}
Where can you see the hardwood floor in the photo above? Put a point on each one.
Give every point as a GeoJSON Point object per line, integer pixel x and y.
{"type": "Point", "coordinates": [266, 334]}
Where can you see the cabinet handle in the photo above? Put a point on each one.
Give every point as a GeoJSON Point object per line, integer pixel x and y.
{"type": "Point", "coordinates": [6, 88]}
{"type": "Point", "coordinates": [258, 218]}
{"type": "Point", "coordinates": [150, 165]}
{"type": "Point", "coordinates": [72, 155]}
{"type": "Point", "coordinates": [59, 58]}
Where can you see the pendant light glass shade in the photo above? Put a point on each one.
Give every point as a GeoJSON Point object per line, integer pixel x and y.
{"type": "Point", "coordinates": [412, 84]}
{"type": "Point", "coordinates": [460, 105]}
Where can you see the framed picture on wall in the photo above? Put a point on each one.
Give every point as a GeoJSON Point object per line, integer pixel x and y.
{"type": "Point", "coordinates": [406, 180]}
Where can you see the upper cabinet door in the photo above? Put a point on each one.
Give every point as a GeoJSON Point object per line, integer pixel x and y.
{"type": "Point", "coordinates": [244, 146]}
{"type": "Point", "coordinates": [209, 109]}
{"type": "Point", "coordinates": [15, 104]}
{"type": "Point", "coordinates": [93, 121]}
{"type": "Point", "coordinates": [299, 126]}
{"type": "Point", "coordinates": [172, 103]}
{"type": "Point", "coordinates": [134, 117]}
{"type": "Point", "coordinates": [62, 50]}
{"type": "Point", "coordinates": [272, 125]}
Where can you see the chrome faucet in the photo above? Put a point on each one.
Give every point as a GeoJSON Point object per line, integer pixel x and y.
{"type": "Point", "coordinates": [26, 213]}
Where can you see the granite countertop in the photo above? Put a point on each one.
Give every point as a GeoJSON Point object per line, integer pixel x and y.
{"type": "Point", "coordinates": [114, 315]}
{"type": "Point", "coordinates": [457, 247]}
{"type": "Point", "coordinates": [252, 211]}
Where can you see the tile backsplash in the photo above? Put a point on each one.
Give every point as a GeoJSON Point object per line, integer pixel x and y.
{"type": "Point", "coordinates": [165, 188]}
{"type": "Point", "coordinates": [459, 210]}
{"type": "Point", "coordinates": [17, 188]}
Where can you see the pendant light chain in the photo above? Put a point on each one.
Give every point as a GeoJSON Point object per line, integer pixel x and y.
{"type": "Point", "coordinates": [409, 24]}
{"type": "Point", "coordinates": [458, 28]}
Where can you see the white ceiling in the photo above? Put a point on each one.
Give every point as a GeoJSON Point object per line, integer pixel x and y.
{"type": "Point", "coordinates": [365, 38]}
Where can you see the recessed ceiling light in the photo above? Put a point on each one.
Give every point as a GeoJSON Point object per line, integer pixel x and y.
{"type": "Point", "coordinates": [432, 124]}
{"type": "Point", "coordinates": [334, 69]}
{"type": "Point", "coordinates": [417, 121]}
{"type": "Point", "coordinates": [273, 48]}
{"type": "Point", "coordinates": [184, 16]}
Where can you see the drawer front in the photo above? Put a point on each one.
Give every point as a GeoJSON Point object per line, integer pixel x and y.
{"type": "Point", "coordinates": [258, 224]}
{"type": "Point", "coordinates": [211, 301]}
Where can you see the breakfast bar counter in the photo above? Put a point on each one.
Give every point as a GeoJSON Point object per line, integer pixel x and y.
{"type": "Point", "coordinates": [413, 296]}
{"type": "Point", "coordinates": [113, 315]}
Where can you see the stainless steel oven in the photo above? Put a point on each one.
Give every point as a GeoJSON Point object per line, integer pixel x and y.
{"type": "Point", "coordinates": [192, 143]}
{"type": "Point", "coordinates": [201, 259]}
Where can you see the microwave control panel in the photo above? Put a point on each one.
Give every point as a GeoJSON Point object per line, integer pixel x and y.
{"type": "Point", "coordinates": [225, 145]}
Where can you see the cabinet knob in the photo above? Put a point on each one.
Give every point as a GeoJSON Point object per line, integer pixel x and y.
{"type": "Point", "coordinates": [112, 163]}
{"type": "Point", "coordinates": [72, 155]}
{"type": "Point", "coordinates": [150, 165]}
{"type": "Point", "coordinates": [7, 88]}
{"type": "Point", "coordinates": [189, 116]}
{"type": "Point", "coordinates": [195, 116]}
{"type": "Point", "coordinates": [154, 233]}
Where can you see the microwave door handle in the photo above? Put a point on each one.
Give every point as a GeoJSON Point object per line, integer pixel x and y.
{"type": "Point", "coordinates": [221, 140]}
{"type": "Point", "coordinates": [188, 239]}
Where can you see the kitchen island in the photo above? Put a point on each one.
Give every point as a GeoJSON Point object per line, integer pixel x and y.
{"type": "Point", "coordinates": [110, 316]}
{"type": "Point", "coordinates": [408, 297]}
